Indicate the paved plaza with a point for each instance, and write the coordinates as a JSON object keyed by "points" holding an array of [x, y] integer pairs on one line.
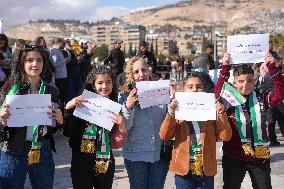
{"points": [[63, 159]]}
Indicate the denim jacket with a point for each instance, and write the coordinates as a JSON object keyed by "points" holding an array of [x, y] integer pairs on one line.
{"points": [[143, 142]]}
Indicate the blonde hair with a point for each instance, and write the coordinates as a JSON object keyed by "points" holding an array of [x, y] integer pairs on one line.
{"points": [[129, 72]]}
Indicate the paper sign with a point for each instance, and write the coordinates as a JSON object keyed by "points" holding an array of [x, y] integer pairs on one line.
{"points": [[151, 93], [214, 75], [97, 110], [195, 106], [248, 48], [29, 110]]}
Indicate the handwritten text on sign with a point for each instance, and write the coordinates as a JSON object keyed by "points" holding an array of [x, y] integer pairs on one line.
{"points": [[248, 48], [97, 110], [28, 110], [151, 93], [195, 106]]}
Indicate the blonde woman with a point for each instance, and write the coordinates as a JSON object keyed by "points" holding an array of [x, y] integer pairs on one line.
{"points": [[141, 150]]}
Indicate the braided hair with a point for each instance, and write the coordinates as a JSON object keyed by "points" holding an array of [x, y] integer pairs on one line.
{"points": [[92, 77]]}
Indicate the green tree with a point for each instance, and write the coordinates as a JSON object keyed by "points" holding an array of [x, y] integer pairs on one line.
{"points": [[101, 52], [130, 52]]}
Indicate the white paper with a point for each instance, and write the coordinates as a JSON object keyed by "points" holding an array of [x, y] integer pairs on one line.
{"points": [[214, 75], [248, 48], [195, 106], [97, 110], [28, 110], [151, 93]]}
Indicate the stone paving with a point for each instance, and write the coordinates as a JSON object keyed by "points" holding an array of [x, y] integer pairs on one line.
{"points": [[62, 178]]}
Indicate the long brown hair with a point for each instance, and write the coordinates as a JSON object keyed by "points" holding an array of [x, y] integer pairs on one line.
{"points": [[18, 73]]}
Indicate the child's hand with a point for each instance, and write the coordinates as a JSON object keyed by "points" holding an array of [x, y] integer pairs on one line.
{"points": [[172, 106], [226, 59], [119, 120], [131, 99], [56, 114], [77, 101], [4, 114], [220, 107], [269, 59]]}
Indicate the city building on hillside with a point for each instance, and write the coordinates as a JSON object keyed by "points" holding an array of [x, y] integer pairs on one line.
{"points": [[128, 33]]}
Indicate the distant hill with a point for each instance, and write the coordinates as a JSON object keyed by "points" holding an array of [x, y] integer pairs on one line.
{"points": [[231, 16]]}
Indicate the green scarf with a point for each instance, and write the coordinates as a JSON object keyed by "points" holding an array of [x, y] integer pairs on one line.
{"points": [[260, 144], [96, 140], [196, 159], [34, 154]]}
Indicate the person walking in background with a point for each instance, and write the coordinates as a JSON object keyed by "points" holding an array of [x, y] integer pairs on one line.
{"points": [[116, 58], [75, 83], [49, 77], [18, 46], [60, 68], [149, 57], [6, 52], [85, 58]]}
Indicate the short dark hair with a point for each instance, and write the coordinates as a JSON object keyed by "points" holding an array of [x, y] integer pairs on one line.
{"points": [[20, 42], [257, 65], [192, 75], [143, 43], [243, 69]]}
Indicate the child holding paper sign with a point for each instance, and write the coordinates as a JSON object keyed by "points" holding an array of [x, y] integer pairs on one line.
{"points": [[141, 150], [92, 159], [194, 154], [27, 150], [248, 150]]}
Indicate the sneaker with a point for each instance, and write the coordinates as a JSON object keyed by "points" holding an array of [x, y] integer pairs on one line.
{"points": [[274, 143]]}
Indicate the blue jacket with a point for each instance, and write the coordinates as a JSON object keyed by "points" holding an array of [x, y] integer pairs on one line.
{"points": [[143, 142], [58, 62]]}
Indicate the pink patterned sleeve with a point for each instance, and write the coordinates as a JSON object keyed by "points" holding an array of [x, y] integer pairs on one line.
{"points": [[117, 137]]}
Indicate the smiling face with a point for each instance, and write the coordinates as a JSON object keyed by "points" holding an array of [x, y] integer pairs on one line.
{"points": [[140, 71], [244, 83], [103, 85], [33, 64], [193, 84]]}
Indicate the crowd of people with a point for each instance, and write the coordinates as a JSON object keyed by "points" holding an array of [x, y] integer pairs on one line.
{"points": [[153, 141]]}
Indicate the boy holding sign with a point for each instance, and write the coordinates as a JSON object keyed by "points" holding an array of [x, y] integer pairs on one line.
{"points": [[248, 150], [194, 152]]}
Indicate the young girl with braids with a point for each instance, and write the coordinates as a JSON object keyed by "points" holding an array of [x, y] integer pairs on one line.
{"points": [[92, 162], [194, 154], [27, 150]]}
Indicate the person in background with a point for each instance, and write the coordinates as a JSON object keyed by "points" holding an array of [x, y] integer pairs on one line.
{"points": [[86, 58], [201, 65], [149, 57], [75, 83], [18, 46], [6, 51], [49, 77], [59, 64], [116, 58]]}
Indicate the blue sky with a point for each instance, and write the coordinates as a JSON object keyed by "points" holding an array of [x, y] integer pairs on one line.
{"points": [[21, 11]]}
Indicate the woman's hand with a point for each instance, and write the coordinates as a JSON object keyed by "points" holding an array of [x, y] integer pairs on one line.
{"points": [[119, 120], [226, 59], [75, 102], [269, 59], [172, 107], [220, 107], [56, 114], [131, 99], [4, 114]]}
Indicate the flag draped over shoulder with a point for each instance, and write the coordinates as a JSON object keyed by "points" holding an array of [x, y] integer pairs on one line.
{"points": [[232, 95]]}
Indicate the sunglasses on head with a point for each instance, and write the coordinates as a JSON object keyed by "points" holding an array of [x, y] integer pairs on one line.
{"points": [[32, 47]]}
